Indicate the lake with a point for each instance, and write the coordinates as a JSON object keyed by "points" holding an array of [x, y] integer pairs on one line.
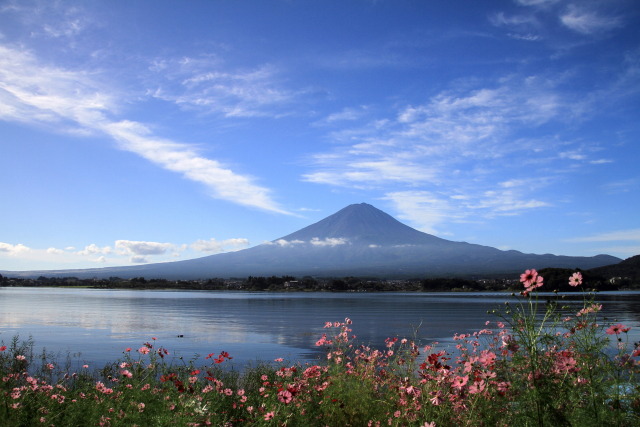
{"points": [[96, 325]]}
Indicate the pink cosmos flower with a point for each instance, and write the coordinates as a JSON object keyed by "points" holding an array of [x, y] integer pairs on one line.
{"points": [[565, 362], [269, 415], [436, 399], [20, 357], [477, 387], [593, 308], [459, 382], [531, 280], [575, 279], [143, 350], [617, 329]]}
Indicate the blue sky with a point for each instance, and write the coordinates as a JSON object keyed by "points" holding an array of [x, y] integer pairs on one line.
{"points": [[152, 131]]}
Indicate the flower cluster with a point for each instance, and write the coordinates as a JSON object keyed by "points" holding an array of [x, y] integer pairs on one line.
{"points": [[510, 372]]}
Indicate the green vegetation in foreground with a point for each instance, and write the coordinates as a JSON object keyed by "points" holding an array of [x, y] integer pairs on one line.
{"points": [[538, 365]]}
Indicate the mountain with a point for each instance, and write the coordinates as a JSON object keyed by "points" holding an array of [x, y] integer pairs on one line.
{"points": [[359, 240], [629, 268], [363, 224]]}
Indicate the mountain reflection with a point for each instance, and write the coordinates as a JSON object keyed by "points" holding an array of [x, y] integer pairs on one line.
{"points": [[99, 324]]}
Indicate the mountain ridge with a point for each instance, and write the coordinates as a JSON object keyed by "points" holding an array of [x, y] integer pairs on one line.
{"points": [[358, 240]]}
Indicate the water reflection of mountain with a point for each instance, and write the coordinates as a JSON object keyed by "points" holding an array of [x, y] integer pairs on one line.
{"points": [[259, 325]]}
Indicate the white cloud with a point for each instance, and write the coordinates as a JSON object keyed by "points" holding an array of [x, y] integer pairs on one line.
{"points": [[329, 241], [506, 202], [584, 21], [73, 100], [572, 155], [500, 19], [285, 243], [601, 161], [427, 210], [10, 249], [223, 183], [93, 249], [142, 248], [55, 251], [201, 83], [213, 245], [367, 173], [455, 143], [612, 236], [422, 208], [535, 2], [623, 186], [347, 114]]}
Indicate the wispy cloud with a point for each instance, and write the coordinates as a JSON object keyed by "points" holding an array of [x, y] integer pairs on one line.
{"points": [[622, 186], [429, 210], [626, 243], [424, 209], [39, 94], [433, 144], [536, 2], [204, 84], [612, 236], [476, 144], [47, 19], [585, 21]]}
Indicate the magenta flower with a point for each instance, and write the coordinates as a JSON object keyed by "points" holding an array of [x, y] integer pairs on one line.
{"points": [[617, 329], [575, 279], [531, 280], [459, 382], [285, 396]]}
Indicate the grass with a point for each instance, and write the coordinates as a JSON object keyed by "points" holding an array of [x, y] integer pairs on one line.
{"points": [[535, 365]]}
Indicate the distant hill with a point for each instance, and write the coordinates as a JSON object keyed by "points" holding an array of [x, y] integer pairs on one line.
{"points": [[359, 240], [629, 268]]}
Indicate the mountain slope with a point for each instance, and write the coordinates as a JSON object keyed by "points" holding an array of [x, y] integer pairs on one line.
{"points": [[629, 268], [363, 223], [359, 240]]}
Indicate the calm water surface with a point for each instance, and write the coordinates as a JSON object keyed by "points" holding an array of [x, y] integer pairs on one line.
{"points": [[96, 325]]}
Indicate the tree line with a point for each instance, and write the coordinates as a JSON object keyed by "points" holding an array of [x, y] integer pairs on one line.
{"points": [[554, 278]]}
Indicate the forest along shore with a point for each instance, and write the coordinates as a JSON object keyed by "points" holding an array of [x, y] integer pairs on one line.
{"points": [[555, 279]]}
